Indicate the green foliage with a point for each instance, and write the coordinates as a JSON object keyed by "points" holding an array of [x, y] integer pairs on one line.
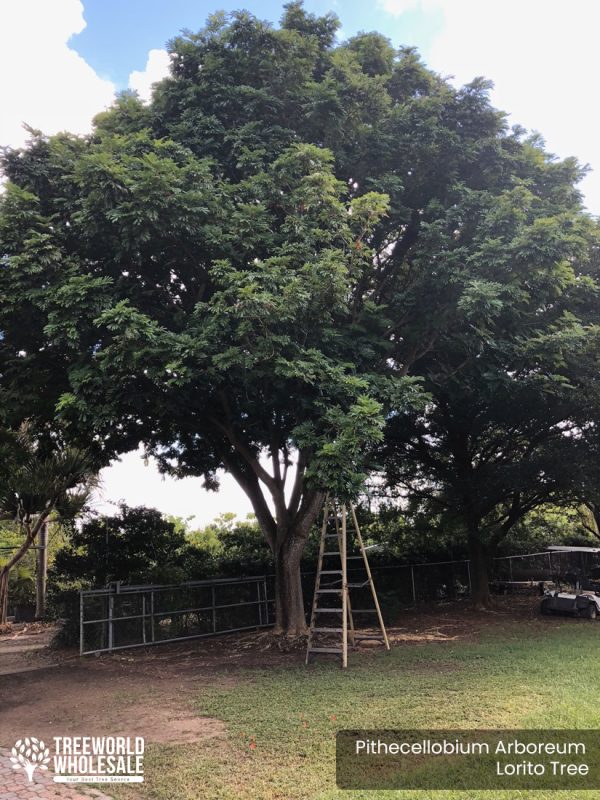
{"points": [[136, 545], [39, 480], [408, 538], [21, 586], [228, 547], [545, 526], [22, 578], [36, 481], [139, 545], [513, 385]]}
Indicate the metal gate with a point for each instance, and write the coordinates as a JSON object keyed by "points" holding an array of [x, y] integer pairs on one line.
{"points": [[119, 616]]}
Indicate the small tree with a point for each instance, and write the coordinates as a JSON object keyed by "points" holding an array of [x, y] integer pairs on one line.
{"points": [[33, 487], [136, 545]]}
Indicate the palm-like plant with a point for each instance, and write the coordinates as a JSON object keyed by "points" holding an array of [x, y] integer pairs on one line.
{"points": [[34, 485]]}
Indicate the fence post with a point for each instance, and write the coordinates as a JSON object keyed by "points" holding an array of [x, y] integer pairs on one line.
{"points": [[81, 622], [111, 602], [144, 618], [412, 577], [214, 608], [41, 572], [259, 603], [152, 614], [265, 601]]}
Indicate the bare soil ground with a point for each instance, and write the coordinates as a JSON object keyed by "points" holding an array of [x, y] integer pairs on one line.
{"points": [[150, 691]]}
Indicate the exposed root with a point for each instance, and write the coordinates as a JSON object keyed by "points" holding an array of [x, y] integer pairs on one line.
{"points": [[22, 628], [272, 640]]}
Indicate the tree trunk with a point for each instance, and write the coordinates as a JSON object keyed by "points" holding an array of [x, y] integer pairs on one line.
{"points": [[290, 617], [286, 530], [30, 535], [41, 572], [478, 569], [4, 575]]}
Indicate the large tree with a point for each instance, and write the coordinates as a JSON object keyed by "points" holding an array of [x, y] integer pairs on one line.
{"points": [[513, 385], [244, 273]]}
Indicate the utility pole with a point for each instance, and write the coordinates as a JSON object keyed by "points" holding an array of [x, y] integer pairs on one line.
{"points": [[41, 572]]}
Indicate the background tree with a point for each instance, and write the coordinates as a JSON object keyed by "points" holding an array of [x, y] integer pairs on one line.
{"points": [[135, 545], [33, 486], [236, 546], [243, 273], [513, 388], [22, 578]]}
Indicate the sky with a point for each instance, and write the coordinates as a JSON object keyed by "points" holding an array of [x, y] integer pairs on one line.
{"points": [[61, 62]]}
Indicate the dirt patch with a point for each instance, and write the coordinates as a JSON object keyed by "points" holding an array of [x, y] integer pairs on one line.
{"points": [[151, 692], [55, 692], [27, 646], [459, 621], [95, 699]]}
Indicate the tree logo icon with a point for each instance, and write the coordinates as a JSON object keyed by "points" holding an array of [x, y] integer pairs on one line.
{"points": [[30, 754]]}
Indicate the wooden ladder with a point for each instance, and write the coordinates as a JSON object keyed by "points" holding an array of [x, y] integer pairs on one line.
{"points": [[332, 582]]}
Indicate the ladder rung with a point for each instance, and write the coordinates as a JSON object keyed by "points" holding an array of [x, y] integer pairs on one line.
{"points": [[328, 610], [358, 585], [333, 553], [325, 650], [329, 591], [327, 630], [351, 558], [364, 610], [331, 536], [331, 572]]}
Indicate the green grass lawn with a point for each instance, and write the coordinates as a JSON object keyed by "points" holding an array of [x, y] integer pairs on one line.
{"points": [[281, 723]]}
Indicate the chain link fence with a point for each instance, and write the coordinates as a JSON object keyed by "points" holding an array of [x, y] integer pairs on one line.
{"points": [[119, 616]]}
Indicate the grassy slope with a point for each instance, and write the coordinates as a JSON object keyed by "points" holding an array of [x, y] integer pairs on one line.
{"points": [[527, 674]]}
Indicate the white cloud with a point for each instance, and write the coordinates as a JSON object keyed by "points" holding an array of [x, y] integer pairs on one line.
{"points": [[157, 68], [45, 83], [544, 59], [398, 7]]}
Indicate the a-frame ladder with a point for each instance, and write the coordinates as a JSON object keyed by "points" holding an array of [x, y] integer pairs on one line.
{"points": [[331, 600]]}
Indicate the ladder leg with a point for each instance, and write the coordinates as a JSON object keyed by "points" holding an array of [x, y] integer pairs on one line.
{"points": [[313, 615], [370, 577], [350, 622], [350, 618], [344, 593]]}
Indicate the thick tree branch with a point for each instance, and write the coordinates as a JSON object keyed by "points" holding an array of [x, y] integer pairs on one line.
{"points": [[30, 538], [298, 486], [245, 452], [251, 486]]}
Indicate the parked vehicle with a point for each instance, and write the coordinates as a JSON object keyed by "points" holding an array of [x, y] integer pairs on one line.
{"points": [[585, 604], [584, 600]]}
